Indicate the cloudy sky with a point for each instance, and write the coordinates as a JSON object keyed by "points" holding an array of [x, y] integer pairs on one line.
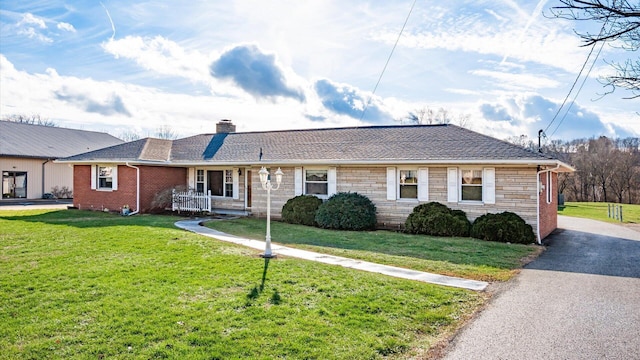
{"points": [[125, 65]]}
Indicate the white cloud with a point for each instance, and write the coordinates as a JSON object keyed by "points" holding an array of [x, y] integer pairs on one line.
{"points": [[31, 33], [146, 108], [513, 81], [30, 19], [66, 27], [162, 56]]}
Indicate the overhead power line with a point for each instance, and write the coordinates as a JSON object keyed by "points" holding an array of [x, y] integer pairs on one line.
{"points": [[574, 84], [366, 105]]}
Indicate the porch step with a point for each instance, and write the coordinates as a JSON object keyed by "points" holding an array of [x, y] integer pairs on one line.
{"points": [[230, 212]]}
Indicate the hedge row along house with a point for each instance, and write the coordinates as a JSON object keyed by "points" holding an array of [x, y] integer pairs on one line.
{"points": [[397, 167]]}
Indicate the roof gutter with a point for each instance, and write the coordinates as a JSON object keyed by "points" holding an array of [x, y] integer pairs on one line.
{"points": [[538, 239], [137, 188], [531, 162]]}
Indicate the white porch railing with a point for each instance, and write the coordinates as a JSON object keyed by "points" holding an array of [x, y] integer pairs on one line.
{"points": [[191, 201]]}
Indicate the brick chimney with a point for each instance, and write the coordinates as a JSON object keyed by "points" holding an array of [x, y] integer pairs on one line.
{"points": [[225, 126]]}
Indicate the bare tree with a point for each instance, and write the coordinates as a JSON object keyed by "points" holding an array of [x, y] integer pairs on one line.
{"points": [[129, 135], [463, 120], [166, 132], [620, 21], [427, 116], [34, 119], [607, 170], [522, 140]]}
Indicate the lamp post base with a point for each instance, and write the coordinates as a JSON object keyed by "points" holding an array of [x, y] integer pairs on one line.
{"points": [[265, 256]]}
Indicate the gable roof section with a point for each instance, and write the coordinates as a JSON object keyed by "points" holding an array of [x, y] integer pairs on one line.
{"points": [[373, 144], [47, 142], [145, 150]]}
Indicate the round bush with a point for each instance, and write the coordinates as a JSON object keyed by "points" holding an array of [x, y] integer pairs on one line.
{"points": [[438, 220], [301, 210], [503, 227], [347, 211]]}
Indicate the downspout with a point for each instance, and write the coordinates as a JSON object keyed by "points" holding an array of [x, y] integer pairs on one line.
{"points": [[46, 161], [137, 188], [538, 239]]}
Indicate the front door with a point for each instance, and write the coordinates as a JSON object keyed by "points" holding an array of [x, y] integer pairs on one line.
{"points": [[14, 184], [215, 179]]}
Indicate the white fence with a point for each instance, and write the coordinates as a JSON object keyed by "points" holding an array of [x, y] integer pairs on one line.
{"points": [[191, 201]]}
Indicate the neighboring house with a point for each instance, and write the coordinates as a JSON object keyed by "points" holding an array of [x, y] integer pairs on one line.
{"points": [[397, 167], [27, 151]]}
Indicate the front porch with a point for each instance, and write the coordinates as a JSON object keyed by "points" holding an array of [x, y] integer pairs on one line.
{"points": [[200, 202]]}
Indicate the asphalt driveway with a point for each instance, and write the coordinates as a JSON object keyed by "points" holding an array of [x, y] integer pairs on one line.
{"points": [[579, 300]]}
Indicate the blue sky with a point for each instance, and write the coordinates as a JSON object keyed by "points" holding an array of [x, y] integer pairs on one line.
{"points": [[120, 66]]}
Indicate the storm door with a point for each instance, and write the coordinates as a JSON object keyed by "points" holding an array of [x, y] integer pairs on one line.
{"points": [[215, 180]]}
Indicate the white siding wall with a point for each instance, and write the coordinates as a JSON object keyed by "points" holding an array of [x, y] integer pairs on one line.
{"points": [[55, 174]]}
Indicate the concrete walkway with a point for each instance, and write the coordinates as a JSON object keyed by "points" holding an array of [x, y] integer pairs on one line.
{"points": [[194, 226]]}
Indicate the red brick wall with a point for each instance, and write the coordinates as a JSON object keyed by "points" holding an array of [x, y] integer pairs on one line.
{"points": [[548, 212], [153, 179]]}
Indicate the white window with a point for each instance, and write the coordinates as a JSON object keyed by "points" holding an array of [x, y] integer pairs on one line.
{"points": [[228, 183], [471, 185], [104, 177], [408, 184], [200, 180], [316, 182]]}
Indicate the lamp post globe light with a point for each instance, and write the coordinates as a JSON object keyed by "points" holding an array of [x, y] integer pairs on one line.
{"points": [[265, 180]]}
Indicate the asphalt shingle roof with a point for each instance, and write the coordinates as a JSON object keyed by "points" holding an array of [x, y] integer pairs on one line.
{"points": [[355, 144], [37, 141]]}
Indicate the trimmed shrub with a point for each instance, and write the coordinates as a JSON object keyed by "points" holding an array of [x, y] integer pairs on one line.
{"points": [[437, 219], [347, 211], [301, 210], [163, 199], [503, 227]]}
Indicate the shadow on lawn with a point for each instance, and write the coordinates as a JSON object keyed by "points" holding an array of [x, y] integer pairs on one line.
{"points": [[255, 292], [90, 219]]}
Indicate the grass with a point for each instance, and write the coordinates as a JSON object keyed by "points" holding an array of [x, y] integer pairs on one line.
{"points": [[80, 285], [598, 211], [461, 257]]}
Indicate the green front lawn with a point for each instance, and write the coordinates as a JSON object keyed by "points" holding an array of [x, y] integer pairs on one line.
{"points": [[598, 211], [461, 257], [90, 285]]}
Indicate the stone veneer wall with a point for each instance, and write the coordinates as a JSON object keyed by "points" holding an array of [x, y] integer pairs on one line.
{"points": [[515, 191]]}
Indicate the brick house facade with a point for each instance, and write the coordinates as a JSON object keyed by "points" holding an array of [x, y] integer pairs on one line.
{"points": [[153, 180], [397, 167]]}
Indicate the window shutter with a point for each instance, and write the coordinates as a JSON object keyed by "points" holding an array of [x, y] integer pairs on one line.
{"points": [[391, 183], [452, 184], [298, 181], [191, 178], [332, 181], [236, 183], [94, 176], [489, 186], [114, 178], [423, 184]]}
